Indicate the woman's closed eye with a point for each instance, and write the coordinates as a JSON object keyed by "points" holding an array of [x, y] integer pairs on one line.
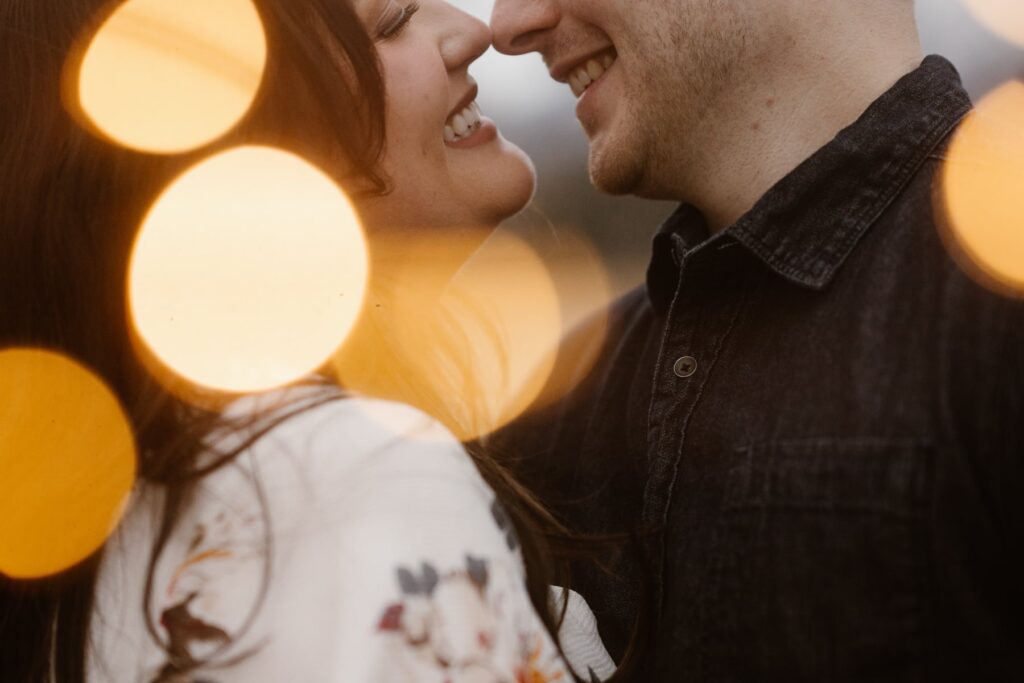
{"points": [[395, 20]]}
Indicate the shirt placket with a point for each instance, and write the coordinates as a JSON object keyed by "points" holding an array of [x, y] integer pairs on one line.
{"points": [[700, 318]]}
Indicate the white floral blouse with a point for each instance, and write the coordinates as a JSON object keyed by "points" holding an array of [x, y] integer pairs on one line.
{"points": [[354, 542]]}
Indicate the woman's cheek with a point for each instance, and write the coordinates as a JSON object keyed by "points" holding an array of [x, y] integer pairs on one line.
{"points": [[415, 73]]}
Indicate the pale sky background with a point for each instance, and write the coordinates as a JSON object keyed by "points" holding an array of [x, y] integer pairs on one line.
{"points": [[538, 114]]}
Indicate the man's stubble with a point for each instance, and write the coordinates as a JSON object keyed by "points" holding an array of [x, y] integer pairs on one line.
{"points": [[685, 60]]}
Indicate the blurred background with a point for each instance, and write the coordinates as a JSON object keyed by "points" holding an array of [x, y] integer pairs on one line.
{"points": [[538, 114], [230, 294]]}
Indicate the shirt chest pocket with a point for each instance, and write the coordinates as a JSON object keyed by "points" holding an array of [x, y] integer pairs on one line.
{"points": [[820, 560]]}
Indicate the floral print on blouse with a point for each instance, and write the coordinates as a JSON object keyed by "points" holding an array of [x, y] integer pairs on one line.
{"points": [[455, 623], [374, 551]]}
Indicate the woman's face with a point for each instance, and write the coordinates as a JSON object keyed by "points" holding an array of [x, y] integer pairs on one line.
{"points": [[448, 166]]}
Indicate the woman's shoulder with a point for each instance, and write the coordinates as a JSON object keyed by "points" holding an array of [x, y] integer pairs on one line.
{"points": [[358, 532], [335, 425], [333, 453]]}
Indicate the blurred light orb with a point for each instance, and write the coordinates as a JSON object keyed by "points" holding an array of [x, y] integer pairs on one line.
{"points": [[67, 463], [249, 271], [168, 77], [585, 297], [474, 350], [515, 339], [1005, 18], [983, 190]]}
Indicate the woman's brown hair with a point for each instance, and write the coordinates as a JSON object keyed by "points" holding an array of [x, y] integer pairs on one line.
{"points": [[70, 203]]}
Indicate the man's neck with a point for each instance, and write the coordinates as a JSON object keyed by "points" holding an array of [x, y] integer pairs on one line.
{"points": [[778, 121]]}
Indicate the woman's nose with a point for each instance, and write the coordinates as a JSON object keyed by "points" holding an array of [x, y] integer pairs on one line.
{"points": [[466, 39]]}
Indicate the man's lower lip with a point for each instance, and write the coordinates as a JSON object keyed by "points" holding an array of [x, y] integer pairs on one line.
{"points": [[481, 136]]}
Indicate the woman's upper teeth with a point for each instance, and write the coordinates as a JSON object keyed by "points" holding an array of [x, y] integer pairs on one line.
{"points": [[585, 74], [463, 124]]}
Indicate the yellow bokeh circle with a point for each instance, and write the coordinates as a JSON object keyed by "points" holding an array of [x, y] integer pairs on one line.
{"points": [[474, 350], [983, 191], [168, 77], [67, 463], [512, 320], [248, 272]]}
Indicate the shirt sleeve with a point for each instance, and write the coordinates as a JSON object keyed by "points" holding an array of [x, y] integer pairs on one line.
{"points": [[389, 559]]}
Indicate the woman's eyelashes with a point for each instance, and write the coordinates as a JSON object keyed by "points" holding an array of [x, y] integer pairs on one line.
{"points": [[392, 24]]}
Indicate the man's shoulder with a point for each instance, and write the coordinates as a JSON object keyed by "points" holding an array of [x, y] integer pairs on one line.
{"points": [[588, 355], [594, 345], [633, 300], [919, 263], [610, 324]]}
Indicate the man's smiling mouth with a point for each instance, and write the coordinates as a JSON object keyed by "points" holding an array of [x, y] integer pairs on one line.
{"points": [[587, 73]]}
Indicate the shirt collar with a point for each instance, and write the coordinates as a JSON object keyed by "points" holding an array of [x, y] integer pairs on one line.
{"points": [[684, 230], [806, 226]]}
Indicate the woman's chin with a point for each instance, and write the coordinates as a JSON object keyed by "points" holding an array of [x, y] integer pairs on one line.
{"points": [[528, 178], [471, 192], [505, 185]]}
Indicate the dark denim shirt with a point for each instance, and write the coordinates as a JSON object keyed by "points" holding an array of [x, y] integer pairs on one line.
{"points": [[822, 419]]}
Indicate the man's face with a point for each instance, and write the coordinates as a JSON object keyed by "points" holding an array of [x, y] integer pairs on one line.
{"points": [[674, 66]]}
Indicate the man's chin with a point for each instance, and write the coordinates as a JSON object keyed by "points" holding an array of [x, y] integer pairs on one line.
{"points": [[613, 171]]}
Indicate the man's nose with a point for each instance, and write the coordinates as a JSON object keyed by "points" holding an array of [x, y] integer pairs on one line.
{"points": [[520, 26]]}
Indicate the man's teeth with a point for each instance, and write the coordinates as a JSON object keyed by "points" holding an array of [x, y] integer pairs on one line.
{"points": [[586, 74], [463, 124]]}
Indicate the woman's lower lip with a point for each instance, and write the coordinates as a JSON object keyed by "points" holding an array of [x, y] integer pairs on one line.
{"points": [[481, 136]]}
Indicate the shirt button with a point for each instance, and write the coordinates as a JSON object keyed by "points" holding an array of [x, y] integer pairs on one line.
{"points": [[685, 367]]}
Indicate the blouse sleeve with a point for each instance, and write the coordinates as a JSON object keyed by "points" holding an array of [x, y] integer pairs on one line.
{"points": [[387, 559]]}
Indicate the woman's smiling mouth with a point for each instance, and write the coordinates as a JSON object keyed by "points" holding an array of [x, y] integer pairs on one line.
{"points": [[463, 124]]}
